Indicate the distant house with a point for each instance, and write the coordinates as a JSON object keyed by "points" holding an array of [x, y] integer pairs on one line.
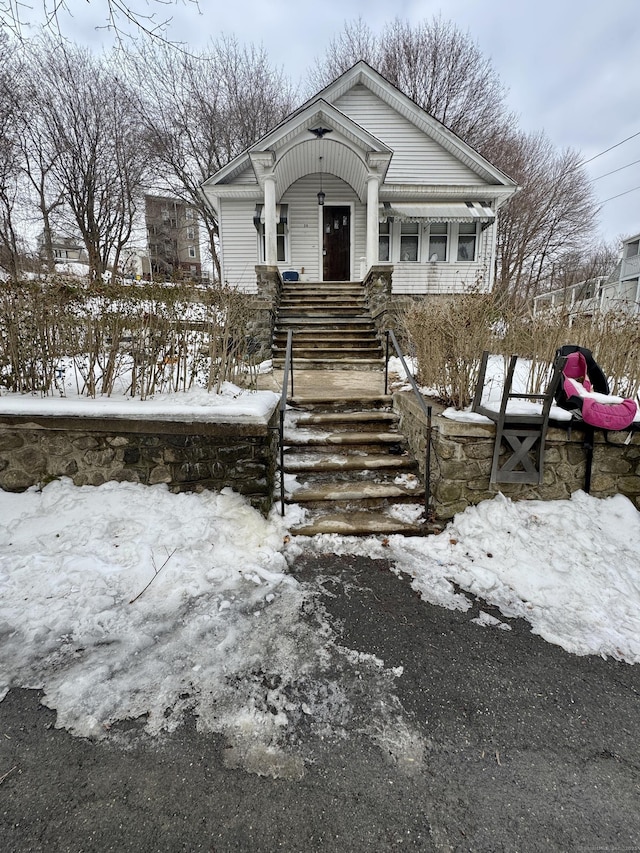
{"points": [[173, 239], [65, 249], [582, 298], [622, 290], [619, 291], [360, 177]]}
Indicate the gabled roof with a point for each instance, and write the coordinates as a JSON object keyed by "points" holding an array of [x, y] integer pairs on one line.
{"points": [[320, 108], [288, 133]]}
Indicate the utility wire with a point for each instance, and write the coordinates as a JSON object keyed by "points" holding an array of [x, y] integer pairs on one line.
{"points": [[606, 151], [626, 192], [606, 174]]}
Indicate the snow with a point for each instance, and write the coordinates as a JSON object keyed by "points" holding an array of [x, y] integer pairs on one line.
{"points": [[231, 405], [124, 601]]}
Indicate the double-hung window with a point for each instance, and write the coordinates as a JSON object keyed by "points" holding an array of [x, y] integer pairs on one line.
{"points": [[438, 241], [467, 238], [409, 241], [281, 241], [384, 241]]}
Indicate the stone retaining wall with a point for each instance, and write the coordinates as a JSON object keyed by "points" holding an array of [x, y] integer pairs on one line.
{"points": [[462, 453], [185, 456]]}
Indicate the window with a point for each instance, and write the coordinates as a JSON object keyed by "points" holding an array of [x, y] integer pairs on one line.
{"points": [[438, 240], [192, 251], [188, 213], [191, 233], [384, 241], [281, 241], [409, 241], [632, 249], [467, 241]]}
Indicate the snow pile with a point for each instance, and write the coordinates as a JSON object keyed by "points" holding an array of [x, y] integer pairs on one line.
{"points": [[73, 561], [125, 601], [570, 568]]}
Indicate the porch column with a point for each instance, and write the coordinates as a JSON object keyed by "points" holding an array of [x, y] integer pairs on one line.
{"points": [[270, 235], [372, 221]]}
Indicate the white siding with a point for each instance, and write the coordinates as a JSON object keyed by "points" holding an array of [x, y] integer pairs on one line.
{"points": [[417, 159], [451, 276], [247, 176], [239, 241], [239, 238]]}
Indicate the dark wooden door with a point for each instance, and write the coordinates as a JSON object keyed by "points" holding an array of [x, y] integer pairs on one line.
{"points": [[336, 244]]}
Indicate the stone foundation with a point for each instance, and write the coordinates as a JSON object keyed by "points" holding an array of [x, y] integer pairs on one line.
{"points": [[462, 452], [185, 456], [264, 310]]}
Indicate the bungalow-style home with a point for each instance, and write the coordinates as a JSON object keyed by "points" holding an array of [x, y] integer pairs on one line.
{"points": [[360, 177]]}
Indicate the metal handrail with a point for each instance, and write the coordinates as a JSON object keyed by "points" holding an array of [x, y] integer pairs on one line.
{"points": [[390, 336], [288, 370]]}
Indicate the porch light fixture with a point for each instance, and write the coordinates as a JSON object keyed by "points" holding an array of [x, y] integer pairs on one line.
{"points": [[321, 195]]}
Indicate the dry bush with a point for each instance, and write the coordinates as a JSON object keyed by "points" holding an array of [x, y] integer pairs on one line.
{"points": [[139, 339], [449, 336]]}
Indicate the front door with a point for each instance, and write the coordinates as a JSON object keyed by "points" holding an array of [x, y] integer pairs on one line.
{"points": [[336, 244]]}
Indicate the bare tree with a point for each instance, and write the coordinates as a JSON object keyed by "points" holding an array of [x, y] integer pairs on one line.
{"points": [[200, 111], [553, 215], [117, 15], [10, 248], [437, 65], [96, 161]]}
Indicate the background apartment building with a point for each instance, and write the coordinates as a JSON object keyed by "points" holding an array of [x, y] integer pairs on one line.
{"points": [[173, 239]]}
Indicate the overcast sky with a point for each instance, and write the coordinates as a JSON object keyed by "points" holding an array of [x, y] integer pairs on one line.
{"points": [[572, 67]]}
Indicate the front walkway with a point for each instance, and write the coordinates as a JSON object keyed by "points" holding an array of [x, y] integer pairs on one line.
{"points": [[329, 384]]}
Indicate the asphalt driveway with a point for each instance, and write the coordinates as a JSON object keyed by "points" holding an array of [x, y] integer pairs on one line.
{"points": [[484, 740]]}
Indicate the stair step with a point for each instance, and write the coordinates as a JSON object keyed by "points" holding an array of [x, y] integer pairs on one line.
{"points": [[296, 438], [302, 401], [333, 418], [333, 364], [358, 523], [300, 462], [352, 491]]}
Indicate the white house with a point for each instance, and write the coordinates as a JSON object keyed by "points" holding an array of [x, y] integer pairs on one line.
{"points": [[360, 176], [620, 291]]}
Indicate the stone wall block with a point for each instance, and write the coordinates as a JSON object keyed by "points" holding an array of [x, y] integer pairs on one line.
{"points": [[613, 464], [11, 441], [86, 442], [15, 480], [33, 461], [482, 450], [118, 441], [126, 475], [602, 484], [100, 458], [160, 474]]}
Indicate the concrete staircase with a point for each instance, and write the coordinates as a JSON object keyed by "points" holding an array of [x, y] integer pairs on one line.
{"points": [[332, 327], [349, 467]]}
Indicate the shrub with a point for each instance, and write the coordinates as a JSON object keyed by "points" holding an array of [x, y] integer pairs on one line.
{"points": [[140, 339], [450, 334]]}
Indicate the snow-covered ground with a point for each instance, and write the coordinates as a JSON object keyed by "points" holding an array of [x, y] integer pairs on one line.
{"points": [[125, 601]]}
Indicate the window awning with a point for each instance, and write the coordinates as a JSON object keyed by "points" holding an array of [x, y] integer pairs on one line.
{"points": [[452, 211], [282, 211]]}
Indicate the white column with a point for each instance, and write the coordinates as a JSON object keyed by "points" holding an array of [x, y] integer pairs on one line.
{"points": [[270, 235], [372, 221]]}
